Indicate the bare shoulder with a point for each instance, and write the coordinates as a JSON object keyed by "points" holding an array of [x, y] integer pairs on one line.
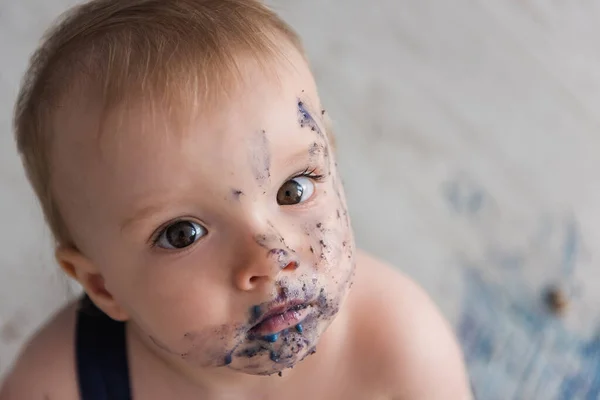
{"points": [[406, 348], [45, 368]]}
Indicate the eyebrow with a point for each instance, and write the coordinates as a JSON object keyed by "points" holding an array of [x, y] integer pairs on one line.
{"points": [[142, 214], [313, 151]]}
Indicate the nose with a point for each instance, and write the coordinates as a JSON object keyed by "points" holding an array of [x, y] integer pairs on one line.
{"points": [[270, 258]]}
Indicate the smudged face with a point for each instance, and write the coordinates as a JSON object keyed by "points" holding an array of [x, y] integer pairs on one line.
{"points": [[228, 244]]}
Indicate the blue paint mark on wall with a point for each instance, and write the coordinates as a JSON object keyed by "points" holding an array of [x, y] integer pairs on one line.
{"points": [[571, 247], [516, 349], [509, 260], [584, 383], [464, 197], [475, 201], [452, 195]]}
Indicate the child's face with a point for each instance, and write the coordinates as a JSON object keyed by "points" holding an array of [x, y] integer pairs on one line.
{"points": [[197, 234]]}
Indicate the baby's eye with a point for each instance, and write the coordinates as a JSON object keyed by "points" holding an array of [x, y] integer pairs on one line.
{"points": [[295, 191], [180, 234]]}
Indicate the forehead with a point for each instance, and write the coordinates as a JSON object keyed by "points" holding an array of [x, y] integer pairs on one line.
{"points": [[128, 143], [262, 100], [82, 116]]}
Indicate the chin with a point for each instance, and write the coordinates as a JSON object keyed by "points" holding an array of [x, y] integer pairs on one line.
{"points": [[265, 366]]}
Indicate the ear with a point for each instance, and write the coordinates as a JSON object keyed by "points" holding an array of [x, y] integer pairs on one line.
{"points": [[80, 268]]}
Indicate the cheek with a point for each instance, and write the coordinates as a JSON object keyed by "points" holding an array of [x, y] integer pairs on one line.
{"points": [[173, 298], [330, 234]]}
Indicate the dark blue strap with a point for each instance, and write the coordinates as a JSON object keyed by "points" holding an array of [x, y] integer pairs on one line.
{"points": [[101, 351]]}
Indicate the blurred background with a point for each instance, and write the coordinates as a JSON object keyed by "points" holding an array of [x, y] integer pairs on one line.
{"points": [[469, 138]]}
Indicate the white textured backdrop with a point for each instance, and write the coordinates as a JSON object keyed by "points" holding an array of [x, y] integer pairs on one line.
{"points": [[470, 144]]}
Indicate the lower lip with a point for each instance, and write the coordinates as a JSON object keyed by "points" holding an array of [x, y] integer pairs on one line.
{"points": [[279, 322]]}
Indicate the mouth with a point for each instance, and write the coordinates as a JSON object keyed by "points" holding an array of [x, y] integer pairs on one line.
{"points": [[280, 318]]}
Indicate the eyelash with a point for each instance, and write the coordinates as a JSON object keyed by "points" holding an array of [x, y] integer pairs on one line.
{"points": [[310, 173]]}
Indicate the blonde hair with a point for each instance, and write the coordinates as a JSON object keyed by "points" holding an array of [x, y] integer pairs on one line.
{"points": [[124, 50]]}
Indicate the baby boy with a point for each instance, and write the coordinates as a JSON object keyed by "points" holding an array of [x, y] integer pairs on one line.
{"points": [[187, 170]]}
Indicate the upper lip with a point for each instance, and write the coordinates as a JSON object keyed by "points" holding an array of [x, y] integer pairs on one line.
{"points": [[279, 309]]}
